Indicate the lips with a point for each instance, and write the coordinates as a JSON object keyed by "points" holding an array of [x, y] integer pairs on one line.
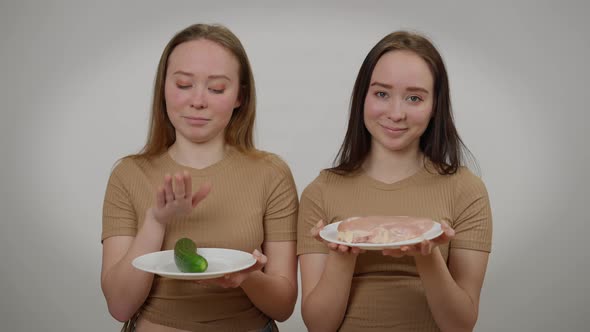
{"points": [[196, 121], [394, 131]]}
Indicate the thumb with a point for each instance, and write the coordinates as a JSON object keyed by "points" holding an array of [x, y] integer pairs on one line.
{"points": [[260, 260]]}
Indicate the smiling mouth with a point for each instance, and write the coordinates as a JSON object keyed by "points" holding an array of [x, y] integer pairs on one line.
{"points": [[395, 130]]}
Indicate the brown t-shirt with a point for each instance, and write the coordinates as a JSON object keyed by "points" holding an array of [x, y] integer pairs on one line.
{"points": [[386, 292], [252, 200]]}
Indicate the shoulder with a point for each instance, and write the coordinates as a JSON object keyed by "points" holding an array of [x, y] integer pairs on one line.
{"points": [[466, 182], [266, 162], [124, 167], [129, 169], [324, 181], [275, 163]]}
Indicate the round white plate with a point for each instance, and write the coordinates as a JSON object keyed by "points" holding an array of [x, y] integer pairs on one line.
{"points": [[221, 261], [330, 234]]}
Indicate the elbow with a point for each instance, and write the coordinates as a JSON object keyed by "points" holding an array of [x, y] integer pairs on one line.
{"points": [[467, 325], [283, 315], [315, 323], [120, 311], [120, 314]]}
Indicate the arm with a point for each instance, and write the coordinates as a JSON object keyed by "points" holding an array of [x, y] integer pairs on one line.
{"points": [[325, 287], [453, 293], [274, 291], [126, 288]]}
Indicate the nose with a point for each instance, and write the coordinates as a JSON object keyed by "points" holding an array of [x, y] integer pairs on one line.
{"points": [[199, 99], [396, 111]]}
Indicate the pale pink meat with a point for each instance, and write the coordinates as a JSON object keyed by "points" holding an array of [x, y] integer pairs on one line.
{"points": [[382, 229]]}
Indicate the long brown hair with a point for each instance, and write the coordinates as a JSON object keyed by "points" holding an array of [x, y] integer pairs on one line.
{"points": [[239, 131], [440, 142]]}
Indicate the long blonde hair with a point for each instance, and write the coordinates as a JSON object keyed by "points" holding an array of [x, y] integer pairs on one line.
{"points": [[239, 131]]}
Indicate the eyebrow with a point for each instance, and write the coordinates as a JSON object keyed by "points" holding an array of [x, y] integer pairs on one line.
{"points": [[411, 88], [387, 86], [180, 72]]}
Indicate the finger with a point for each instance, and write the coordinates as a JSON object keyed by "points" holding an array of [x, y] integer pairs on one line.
{"points": [[260, 258], [160, 198], [315, 230], [355, 250], [424, 247], [168, 189], [342, 248], [201, 193], [188, 184], [178, 187], [447, 230], [333, 246]]}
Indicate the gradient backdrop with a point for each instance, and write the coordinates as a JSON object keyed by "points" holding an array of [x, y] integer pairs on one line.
{"points": [[75, 86]]}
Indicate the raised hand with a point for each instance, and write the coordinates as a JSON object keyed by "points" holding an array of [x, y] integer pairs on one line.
{"points": [[175, 197]]}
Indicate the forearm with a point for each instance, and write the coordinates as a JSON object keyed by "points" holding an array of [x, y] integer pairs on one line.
{"points": [[451, 306], [324, 308], [274, 295], [125, 287]]}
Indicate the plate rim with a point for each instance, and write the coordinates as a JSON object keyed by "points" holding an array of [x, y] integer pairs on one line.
{"points": [[379, 246], [191, 275]]}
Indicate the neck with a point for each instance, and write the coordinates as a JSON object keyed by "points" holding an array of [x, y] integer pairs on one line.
{"points": [[197, 155], [392, 166]]}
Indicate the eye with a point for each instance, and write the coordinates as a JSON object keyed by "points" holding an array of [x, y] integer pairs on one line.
{"points": [[414, 99], [217, 91], [183, 86], [381, 94]]}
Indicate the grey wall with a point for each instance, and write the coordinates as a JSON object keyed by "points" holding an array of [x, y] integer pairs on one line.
{"points": [[75, 87]]}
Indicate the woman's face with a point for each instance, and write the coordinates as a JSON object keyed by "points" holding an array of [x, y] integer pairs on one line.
{"points": [[399, 101], [201, 90]]}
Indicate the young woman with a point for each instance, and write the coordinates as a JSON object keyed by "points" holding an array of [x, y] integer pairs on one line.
{"points": [[401, 156], [199, 176]]}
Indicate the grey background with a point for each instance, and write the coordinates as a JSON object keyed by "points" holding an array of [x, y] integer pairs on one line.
{"points": [[76, 82]]}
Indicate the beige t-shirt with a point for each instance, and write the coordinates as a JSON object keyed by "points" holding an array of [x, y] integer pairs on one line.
{"points": [[386, 292], [252, 200]]}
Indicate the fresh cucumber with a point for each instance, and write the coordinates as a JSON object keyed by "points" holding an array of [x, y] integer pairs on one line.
{"points": [[186, 257]]}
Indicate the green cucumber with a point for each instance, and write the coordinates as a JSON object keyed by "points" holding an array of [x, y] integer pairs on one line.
{"points": [[186, 257]]}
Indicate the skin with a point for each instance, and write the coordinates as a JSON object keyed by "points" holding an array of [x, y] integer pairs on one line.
{"points": [[398, 108], [201, 92]]}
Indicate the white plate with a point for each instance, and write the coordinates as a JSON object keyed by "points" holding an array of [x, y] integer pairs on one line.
{"points": [[221, 261], [330, 234]]}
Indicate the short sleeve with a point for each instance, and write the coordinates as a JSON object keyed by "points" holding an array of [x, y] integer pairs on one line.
{"points": [[118, 213], [280, 216], [310, 212], [472, 214]]}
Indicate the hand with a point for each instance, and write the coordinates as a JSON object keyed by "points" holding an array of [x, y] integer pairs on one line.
{"points": [[425, 247], [177, 200], [234, 280], [315, 232]]}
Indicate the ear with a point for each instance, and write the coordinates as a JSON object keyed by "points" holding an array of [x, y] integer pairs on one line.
{"points": [[238, 102]]}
